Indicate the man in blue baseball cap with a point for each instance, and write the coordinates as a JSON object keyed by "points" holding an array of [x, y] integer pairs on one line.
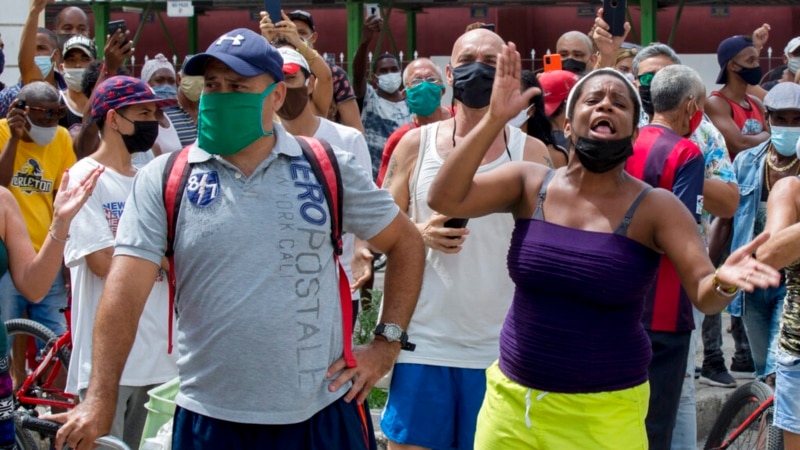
{"points": [[261, 331], [736, 113]]}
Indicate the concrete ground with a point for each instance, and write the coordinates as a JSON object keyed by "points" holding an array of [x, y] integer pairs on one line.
{"points": [[709, 399]]}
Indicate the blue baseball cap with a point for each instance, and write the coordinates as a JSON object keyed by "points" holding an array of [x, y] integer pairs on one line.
{"points": [[244, 51], [727, 50]]}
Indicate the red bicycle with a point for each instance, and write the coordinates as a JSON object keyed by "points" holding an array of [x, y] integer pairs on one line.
{"points": [[745, 421], [46, 363]]}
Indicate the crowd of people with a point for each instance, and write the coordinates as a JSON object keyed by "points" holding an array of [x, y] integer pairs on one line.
{"points": [[557, 242]]}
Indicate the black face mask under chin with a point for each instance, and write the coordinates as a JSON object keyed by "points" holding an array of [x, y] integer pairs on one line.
{"points": [[145, 133], [600, 156]]}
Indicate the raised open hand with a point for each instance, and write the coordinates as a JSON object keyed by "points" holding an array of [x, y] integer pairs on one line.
{"points": [[507, 99], [69, 201]]}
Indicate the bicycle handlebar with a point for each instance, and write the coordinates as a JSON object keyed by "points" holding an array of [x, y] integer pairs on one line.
{"points": [[50, 428]]}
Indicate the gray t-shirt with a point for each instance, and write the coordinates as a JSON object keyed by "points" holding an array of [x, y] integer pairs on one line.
{"points": [[259, 316]]}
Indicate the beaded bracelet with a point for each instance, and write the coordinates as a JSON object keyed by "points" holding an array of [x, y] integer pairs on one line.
{"points": [[729, 292]]}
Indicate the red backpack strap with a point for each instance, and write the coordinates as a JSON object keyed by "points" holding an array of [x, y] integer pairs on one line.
{"points": [[323, 162], [176, 172]]}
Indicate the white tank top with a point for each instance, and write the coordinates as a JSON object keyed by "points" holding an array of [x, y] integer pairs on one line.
{"points": [[465, 297]]}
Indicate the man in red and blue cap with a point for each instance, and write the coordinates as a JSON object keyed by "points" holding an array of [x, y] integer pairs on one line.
{"points": [[261, 332], [124, 109]]}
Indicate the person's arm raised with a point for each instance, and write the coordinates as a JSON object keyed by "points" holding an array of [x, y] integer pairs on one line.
{"points": [[372, 25], [456, 191], [33, 273], [28, 69], [607, 45]]}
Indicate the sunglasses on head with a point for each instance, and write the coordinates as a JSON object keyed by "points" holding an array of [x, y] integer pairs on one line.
{"points": [[58, 113]]}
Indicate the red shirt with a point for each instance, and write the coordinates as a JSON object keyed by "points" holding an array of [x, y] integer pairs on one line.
{"points": [[666, 160]]}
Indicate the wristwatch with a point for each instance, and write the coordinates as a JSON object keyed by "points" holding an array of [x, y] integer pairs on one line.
{"points": [[393, 333]]}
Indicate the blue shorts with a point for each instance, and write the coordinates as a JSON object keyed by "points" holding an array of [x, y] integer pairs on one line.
{"points": [[434, 406], [340, 425], [787, 392], [47, 312]]}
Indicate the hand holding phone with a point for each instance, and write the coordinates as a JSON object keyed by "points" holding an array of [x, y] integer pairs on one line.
{"points": [[552, 62], [614, 16], [120, 25], [456, 222], [273, 9], [372, 9]]}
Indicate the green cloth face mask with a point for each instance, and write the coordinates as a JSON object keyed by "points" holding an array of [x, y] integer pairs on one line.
{"points": [[227, 122]]}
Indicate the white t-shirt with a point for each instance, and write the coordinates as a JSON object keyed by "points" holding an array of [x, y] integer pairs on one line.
{"points": [[93, 229], [352, 141]]}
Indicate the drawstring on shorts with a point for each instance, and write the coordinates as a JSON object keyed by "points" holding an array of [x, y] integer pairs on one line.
{"points": [[539, 398]]}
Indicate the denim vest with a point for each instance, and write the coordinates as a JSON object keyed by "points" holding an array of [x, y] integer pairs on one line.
{"points": [[749, 169]]}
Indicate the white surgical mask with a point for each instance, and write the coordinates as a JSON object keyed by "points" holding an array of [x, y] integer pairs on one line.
{"points": [[785, 139], [390, 82], [45, 64], [521, 118], [794, 64], [41, 136], [74, 78]]}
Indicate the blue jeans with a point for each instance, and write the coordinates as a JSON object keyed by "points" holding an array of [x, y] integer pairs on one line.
{"points": [[46, 312], [761, 314], [684, 435]]}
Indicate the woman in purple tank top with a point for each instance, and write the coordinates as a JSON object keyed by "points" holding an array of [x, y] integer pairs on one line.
{"points": [[572, 372]]}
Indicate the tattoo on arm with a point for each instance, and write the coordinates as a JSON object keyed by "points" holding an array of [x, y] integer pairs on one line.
{"points": [[387, 180]]}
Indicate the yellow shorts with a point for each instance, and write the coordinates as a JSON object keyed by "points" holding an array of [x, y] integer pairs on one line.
{"points": [[515, 417]]}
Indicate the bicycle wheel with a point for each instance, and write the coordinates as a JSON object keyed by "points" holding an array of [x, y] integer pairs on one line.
{"points": [[44, 339], [737, 411], [23, 437]]}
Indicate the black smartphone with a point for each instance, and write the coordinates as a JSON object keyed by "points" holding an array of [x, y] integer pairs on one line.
{"points": [[614, 15], [273, 9], [20, 104], [456, 223], [115, 25]]}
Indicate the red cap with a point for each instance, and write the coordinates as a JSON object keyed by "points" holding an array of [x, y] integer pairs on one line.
{"points": [[556, 86]]}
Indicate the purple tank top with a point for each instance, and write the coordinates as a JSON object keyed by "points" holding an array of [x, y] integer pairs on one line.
{"points": [[575, 322]]}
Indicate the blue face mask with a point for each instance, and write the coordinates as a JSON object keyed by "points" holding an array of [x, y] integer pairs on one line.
{"points": [[784, 139], [166, 91], [45, 64]]}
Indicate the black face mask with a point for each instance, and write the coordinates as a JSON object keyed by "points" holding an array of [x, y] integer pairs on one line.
{"points": [[647, 100], [294, 104], [143, 137], [574, 66], [600, 156], [751, 76], [472, 84]]}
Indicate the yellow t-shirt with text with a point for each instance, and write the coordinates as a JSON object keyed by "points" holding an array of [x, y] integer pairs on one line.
{"points": [[36, 177]]}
